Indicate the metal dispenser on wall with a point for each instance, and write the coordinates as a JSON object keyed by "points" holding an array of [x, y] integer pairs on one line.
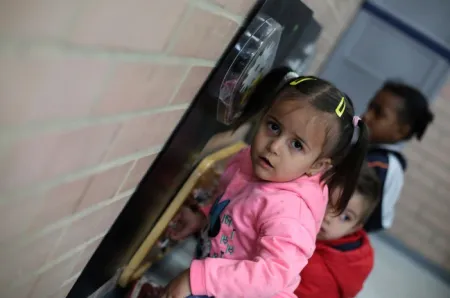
{"points": [[274, 34], [250, 59]]}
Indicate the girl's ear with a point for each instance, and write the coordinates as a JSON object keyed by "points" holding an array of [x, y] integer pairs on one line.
{"points": [[319, 166]]}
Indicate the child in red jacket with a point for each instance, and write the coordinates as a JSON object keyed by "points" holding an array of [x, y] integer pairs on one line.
{"points": [[343, 257]]}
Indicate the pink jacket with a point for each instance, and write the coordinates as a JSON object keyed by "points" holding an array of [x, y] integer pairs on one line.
{"points": [[267, 234]]}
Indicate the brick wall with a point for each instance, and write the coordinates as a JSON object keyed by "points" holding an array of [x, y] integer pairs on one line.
{"points": [[423, 212], [90, 90]]}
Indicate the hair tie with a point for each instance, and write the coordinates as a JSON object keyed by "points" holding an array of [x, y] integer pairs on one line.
{"points": [[341, 107], [298, 81], [356, 120]]}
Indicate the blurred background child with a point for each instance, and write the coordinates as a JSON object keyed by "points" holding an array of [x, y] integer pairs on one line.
{"points": [[396, 114]]}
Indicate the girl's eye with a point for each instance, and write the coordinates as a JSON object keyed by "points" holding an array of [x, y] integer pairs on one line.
{"points": [[345, 217], [297, 145], [376, 109], [275, 128]]}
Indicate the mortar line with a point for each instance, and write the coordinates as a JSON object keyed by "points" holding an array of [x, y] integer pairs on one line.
{"points": [[64, 223], [177, 88], [335, 13], [39, 188], [51, 264], [124, 180], [176, 33], [218, 10], [79, 11], [54, 49], [7, 135]]}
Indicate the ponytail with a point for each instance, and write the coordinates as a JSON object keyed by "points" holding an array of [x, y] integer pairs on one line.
{"points": [[345, 174]]}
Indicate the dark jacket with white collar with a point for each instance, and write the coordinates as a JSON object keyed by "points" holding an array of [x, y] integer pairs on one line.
{"points": [[389, 164]]}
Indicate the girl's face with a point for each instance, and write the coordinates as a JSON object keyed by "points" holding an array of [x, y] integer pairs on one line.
{"points": [[290, 141], [382, 119]]}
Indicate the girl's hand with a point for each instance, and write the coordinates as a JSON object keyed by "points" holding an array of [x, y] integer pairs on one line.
{"points": [[179, 287], [186, 222]]}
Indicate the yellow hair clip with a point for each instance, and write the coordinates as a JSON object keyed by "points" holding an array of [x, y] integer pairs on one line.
{"points": [[298, 81], [341, 107]]}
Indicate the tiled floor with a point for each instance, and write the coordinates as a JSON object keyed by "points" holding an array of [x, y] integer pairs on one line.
{"points": [[397, 276]]}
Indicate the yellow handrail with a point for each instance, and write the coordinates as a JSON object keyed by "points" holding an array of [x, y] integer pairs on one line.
{"points": [[135, 269]]}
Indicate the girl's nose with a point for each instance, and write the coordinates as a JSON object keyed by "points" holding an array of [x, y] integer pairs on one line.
{"points": [[327, 218], [275, 146]]}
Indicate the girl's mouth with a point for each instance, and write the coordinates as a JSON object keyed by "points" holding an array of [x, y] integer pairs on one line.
{"points": [[265, 162]]}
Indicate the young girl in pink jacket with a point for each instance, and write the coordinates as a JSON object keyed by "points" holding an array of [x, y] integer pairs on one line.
{"points": [[262, 230]]}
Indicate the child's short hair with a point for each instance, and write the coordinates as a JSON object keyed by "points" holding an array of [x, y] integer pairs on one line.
{"points": [[369, 187], [415, 111]]}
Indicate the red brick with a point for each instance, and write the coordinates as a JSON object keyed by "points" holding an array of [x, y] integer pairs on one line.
{"points": [[194, 81], [140, 86], [56, 88], [85, 255], [90, 226], [16, 215], [50, 281], [59, 203], [144, 132], [131, 25], [140, 168], [20, 261], [205, 35], [36, 19], [240, 7], [104, 185], [47, 156]]}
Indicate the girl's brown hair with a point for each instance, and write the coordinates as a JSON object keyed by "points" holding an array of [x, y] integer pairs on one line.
{"points": [[346, 157]]}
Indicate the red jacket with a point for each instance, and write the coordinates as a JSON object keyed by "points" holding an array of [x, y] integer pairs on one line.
{"points": [[338, 268]]}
